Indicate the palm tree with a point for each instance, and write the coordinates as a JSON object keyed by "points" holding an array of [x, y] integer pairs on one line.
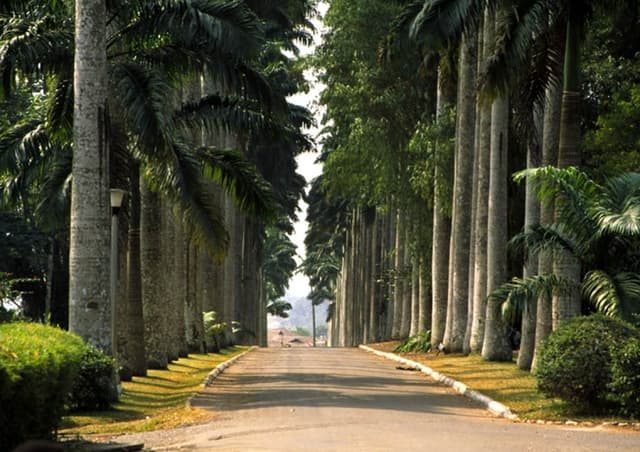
{"points": [[599, 227], [151, 126], [89, 306]]}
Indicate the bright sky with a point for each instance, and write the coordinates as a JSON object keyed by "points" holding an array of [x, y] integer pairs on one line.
{"points": [[299, 284]]}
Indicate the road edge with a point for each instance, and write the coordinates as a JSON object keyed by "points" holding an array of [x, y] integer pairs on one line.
{"points": [[220, 368], [495, 408]]}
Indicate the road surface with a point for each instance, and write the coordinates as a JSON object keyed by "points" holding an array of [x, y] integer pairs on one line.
{"points": [[294, 399]]}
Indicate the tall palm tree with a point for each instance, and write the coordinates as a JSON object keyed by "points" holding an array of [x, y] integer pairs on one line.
{"points": [[89, 305]]}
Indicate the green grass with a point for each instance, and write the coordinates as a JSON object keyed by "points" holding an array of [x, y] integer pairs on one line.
{"points": [[503, 382], [157, 401]]}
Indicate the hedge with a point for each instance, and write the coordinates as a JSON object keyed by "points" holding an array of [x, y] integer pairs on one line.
{"points": [[39, 366]]}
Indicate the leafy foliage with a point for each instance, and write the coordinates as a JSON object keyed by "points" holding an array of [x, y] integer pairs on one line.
{"points": [[600, 225], [419, 343], [93, 388], [575, 363], [39, 366], [625, 377]]}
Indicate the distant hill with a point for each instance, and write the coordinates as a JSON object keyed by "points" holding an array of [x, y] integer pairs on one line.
{"points": [[300, 315]]}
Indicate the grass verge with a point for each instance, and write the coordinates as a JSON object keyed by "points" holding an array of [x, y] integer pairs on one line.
{"points": [[157, 401], [503, 382]]}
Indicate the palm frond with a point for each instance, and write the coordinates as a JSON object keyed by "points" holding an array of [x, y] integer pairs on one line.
{"points": [[219, 27], [215, 114], [241, 179], [572, 190], [514, 294], [617, 210], [147, 102], [34, 46], [54, 201], [444, 20], [539, 238], [613, 295], [180, 179], [522, 33], [60, 107]]}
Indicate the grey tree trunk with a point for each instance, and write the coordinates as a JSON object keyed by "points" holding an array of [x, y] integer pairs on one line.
{"points": [[441, 233], [482, 205], [175, 257], [424, 314], [415, 298], [89, 305], [459, 258], [397, 291], [152, 295], [531, 218], [550, 140], [135, 325], [496, 345], [405, 286]]}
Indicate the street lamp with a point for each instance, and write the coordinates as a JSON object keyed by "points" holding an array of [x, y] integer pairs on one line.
{"points": [[117, 195]]}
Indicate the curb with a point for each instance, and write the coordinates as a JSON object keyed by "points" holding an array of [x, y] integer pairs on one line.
{"points": [[210, 378], [494, 407]]}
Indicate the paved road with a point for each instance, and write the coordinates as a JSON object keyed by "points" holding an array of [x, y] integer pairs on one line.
{"points": [[291, 399]]}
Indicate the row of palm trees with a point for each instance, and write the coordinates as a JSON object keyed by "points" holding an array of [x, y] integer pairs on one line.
{"points": [[182, 103], [409, 264]]}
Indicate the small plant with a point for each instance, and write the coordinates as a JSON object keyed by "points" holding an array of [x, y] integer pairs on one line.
{"points": [[94, 388], [419, 343], [575, 362], [213, 330]]}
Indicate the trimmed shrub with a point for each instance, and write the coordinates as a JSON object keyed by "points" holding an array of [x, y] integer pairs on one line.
{"points": [[575, 361], [41, 369], [625, 377], [38, 365], [94, 387]]}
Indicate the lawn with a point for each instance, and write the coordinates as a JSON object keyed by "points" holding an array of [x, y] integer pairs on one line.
{"points": [[503, 382], [157, 401]]}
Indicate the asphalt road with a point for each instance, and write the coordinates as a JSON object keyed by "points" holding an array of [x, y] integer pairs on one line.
{"points": [[293, 399]]}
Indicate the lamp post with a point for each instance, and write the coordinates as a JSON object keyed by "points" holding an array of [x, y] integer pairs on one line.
{"points": [[117, 196]]}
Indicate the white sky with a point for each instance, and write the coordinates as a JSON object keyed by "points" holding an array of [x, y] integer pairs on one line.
{"points": [[299, 284]]}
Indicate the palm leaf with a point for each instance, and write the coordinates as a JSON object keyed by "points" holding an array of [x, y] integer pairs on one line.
{"points": [[514, 294], [572, 190], [617, 210], [180, 179], [222, 27], [540, 238], [445, 20], [617, 295], [239, 178], [34, 46]]}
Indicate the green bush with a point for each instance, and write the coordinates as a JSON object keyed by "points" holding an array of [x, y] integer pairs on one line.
{"points": [[38, 365], [575, 362], [39, 368], [625, 377], [419, 343], [94, 387]]}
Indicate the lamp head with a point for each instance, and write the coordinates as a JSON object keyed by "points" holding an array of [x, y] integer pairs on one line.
{"points": [[117, 195]]}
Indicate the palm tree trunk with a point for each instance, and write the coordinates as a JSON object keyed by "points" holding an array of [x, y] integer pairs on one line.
{"points": [[397, 291], [479, 294], [135, 323], [550, 139], [150, 256], [567, 305], [496, 345], [441, 231], [405, 279], [459, 258], [531, 218], [89, 304]]}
